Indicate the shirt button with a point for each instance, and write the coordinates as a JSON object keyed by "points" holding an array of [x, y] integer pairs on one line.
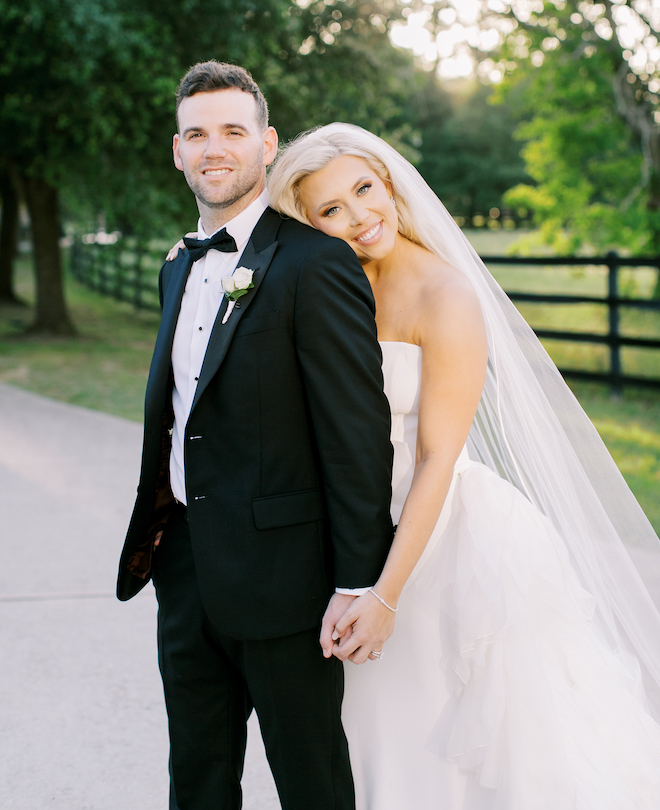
{"points": [[196, 378], [200, 328], [206, 281]]}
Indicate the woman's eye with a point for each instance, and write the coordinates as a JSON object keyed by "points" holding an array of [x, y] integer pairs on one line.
{"points": [[363, 189], [331, 211]]}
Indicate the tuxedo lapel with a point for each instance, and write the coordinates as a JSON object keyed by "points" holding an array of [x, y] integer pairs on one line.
{"points": [[160, 365], [257, 257]]}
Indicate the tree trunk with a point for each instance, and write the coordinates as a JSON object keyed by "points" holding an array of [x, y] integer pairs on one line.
{"points": [[8, 240], [52, 316]]}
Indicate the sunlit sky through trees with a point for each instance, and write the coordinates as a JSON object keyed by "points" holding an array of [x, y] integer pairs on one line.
{"points": [[448, 33]]}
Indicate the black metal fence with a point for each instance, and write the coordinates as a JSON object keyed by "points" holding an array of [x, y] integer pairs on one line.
{"points": [[128, 272], [120, 268], [613, 338]]}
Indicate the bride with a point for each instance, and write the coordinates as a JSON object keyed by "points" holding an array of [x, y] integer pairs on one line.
{"points": [[523, 669]]}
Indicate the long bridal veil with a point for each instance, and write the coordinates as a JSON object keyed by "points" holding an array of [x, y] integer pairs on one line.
{"points": [[529, 427]]}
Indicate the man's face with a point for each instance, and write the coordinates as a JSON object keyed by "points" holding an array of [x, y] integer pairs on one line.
{"points": [[221, 148]]}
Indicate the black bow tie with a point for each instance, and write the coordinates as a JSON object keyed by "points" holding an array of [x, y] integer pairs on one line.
{"points": [[219, 241]]}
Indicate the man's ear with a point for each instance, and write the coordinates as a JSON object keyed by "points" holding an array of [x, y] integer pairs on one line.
{"points": [[175, 152], [270, 145]]}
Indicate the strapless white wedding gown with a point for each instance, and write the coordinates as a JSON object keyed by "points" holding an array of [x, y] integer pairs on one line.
{"points": [[494, 693]]}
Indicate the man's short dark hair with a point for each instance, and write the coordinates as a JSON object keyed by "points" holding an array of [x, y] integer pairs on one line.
{"points": [[205, 77]]}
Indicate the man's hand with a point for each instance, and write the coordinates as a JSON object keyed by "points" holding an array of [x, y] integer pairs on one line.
{"points": [[364, 627], [337, 607]]}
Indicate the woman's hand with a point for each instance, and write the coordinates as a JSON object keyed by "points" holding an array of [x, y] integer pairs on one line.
{"points": [[363, 629], [174, 251]]}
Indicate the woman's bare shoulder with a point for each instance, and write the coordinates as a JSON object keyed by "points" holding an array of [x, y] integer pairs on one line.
{"points": [[447, 300]]}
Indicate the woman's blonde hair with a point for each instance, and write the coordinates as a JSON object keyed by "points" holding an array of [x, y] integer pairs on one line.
{"points": [[314, 150]]}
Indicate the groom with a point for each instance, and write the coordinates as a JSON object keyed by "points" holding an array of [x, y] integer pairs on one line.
{"points": [[265, 481]]}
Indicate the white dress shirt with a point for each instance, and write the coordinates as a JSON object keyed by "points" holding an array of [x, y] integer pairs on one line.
{"points": [[199, 309]]}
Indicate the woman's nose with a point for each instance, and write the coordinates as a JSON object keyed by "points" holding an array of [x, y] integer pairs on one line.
{"points": [[358, 214]]}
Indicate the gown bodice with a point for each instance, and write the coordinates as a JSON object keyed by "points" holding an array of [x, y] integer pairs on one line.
{"points": [[402, 375], [402, 368]]}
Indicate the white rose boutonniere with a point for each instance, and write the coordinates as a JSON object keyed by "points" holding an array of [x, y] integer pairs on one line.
{"points": [[236, 286]]}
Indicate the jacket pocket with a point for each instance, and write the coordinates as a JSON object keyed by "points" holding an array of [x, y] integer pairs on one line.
{"points": [[287, 510]]}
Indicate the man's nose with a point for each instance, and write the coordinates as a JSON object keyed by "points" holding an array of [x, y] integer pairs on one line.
{"points": [[215, 146]]}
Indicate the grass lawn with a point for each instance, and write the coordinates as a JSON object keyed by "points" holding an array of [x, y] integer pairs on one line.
{"points": [[105, 368], [630, 427]]}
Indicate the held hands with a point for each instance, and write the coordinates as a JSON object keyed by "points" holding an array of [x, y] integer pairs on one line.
{"points": [[337, 607], [364, 626]]}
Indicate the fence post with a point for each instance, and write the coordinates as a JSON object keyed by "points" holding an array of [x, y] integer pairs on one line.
{"points": [[75, 260], [115, 252], [613, 308], [137, 292]]}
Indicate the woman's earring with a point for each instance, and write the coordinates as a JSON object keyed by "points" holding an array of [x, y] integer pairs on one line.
{"points": [[393, 201]]}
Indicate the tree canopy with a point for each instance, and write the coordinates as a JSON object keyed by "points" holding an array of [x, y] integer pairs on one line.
{"points": [[88, 90], [467, 153], [584, 79]]}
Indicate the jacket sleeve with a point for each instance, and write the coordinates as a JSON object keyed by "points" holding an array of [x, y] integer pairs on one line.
{"points": [[340, 358]]}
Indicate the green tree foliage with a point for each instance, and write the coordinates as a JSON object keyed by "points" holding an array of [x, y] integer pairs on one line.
{"points": [[326, 61], [584, 76], [467, 151], [88, 90], [593, 184], [71, 100], [583, 158]]}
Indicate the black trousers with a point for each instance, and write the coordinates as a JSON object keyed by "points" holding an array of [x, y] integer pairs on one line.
{"points": [[213, 682]]}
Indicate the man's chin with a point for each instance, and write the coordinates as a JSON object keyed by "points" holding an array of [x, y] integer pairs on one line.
{"points": [[225, 200], [217, 201]]}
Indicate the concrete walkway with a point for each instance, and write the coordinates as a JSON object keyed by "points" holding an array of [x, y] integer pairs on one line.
{"points": [[82, 720]]}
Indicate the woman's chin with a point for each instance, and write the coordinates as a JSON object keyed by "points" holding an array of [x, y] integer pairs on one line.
{"points": [[373, 253]]}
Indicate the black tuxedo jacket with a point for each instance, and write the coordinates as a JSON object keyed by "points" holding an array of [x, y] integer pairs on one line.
{"points": [[287, 447]]}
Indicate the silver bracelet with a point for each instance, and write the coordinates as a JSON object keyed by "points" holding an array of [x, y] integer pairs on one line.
{"points": [[382, 601]]}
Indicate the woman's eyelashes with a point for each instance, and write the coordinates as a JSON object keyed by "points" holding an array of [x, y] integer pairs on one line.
{"points": [[330, 212]]}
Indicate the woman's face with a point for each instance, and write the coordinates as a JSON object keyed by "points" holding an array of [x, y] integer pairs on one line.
{"points": [[347, 199]]}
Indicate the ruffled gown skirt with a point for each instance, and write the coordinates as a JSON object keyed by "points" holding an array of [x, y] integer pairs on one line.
{"points": [[495, 691]]}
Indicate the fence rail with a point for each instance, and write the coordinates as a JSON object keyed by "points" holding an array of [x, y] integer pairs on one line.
{"points": [[127, 273], [613, 301], [121, 270]]}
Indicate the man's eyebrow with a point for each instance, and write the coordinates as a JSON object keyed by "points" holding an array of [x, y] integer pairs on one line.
{"points": [[242, 127], [191, 129]]}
